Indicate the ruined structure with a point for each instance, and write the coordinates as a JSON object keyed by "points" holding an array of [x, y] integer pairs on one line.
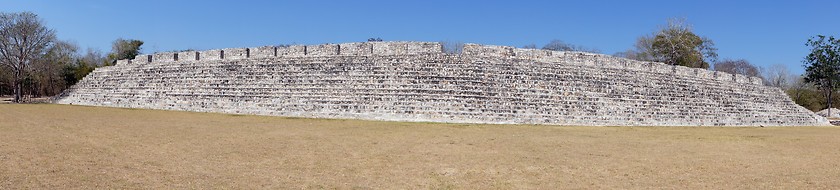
{"points": [[416, 81]]}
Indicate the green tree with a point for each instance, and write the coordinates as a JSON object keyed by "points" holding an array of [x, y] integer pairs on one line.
{"points": [[73, 73], [123, 49], [805, 94], [675, 44], [822, 65], [23, 37]]}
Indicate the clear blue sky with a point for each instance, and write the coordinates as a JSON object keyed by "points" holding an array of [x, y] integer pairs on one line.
{"points": [[763, 32]]}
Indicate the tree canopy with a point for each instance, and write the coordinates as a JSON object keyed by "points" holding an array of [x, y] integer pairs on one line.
{"points": [[123, 49], [23, 37], [822, 65], [674, 43], [740, 66], [34, 62]]}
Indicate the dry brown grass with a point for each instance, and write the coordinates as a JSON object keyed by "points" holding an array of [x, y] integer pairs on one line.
{"points": [[59, 146]]}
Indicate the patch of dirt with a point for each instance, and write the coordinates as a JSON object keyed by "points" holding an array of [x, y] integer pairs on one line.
{"points": [[50, 146]]}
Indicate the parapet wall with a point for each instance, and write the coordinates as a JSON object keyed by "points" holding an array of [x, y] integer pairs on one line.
{"points": [[409, 48], [604, 61], [345, 49], [416, 81]]}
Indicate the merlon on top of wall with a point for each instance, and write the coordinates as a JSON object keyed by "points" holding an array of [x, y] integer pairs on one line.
{"points": [[345, 49], [604, 61]]}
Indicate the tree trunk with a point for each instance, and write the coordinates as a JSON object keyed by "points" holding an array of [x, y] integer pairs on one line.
{"points": [[18, 91], [18, 86], [830, 89]]}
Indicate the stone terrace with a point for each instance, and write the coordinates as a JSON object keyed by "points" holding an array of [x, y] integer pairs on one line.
{"points": [[416, 81]]}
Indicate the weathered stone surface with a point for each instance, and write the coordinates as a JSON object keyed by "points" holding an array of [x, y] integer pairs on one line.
{"points": [[235, 53], [188, 56], [210, 55], [265, 51], [356, 49], [164, 57], [293, 50], [323, 49], [416, 81], [141, 59]]}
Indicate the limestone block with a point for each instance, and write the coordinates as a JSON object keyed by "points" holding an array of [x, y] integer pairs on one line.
{"points": [[724, 77], [488, 50], [558, 56], [235, 53], [661, 68], [533, 54], [636, 65], [389, 48], [608, 62], [756, 81], [323, 49], [423, 47], [142, 59], [188, 56], [264, 51], [293, 50], [164, 57], [214, 54], [742, 79], [624, 63], [590, 59], [685, 71], [361, 48], [122, 62], [706, 74]]}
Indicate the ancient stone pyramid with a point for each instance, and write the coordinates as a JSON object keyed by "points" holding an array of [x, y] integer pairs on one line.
{"points": [[416, 81]]}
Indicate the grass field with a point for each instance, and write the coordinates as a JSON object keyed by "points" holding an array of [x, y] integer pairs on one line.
{"points": [[60, 146]]}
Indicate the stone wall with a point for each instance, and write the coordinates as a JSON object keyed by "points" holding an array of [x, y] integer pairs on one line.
{"points": [[416, 81]]}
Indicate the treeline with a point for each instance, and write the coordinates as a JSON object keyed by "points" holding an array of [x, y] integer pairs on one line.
{"points": [[34, 63]]}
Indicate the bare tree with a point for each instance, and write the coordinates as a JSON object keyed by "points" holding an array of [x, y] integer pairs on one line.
{"points": [[529, 46], [93, 57], [629, 54], [777, 75], [452, 46], [740, 66], [23, 37], [559, 45], [644, 48]]}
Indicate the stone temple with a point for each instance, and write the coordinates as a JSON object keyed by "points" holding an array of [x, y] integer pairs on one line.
{"points": [[417, 81]]}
